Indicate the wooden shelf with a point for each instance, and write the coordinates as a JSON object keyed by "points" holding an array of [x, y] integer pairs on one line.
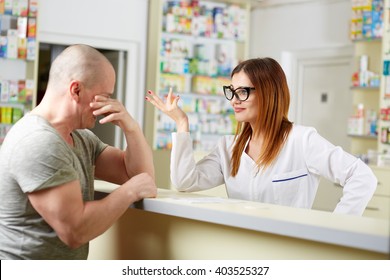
{"points": [[364, 88], [371, 137], [367, 40]]}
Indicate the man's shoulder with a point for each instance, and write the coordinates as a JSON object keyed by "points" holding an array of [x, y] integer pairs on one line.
{"points": [[32, 130]]}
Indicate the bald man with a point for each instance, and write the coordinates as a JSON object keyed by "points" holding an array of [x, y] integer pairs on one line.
{"points": [[49, 160]]}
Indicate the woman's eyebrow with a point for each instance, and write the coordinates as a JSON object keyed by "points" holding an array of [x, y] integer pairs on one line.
{"points": [[239, 87]]}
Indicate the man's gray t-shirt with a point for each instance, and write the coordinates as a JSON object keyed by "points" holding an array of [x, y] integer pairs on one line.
{"points": [[35, 157]]}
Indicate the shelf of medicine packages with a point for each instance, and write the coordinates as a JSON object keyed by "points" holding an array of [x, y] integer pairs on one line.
{"points": [[378, 39], [215, 85], [5, 127], [13, 105], [196, 94], [362, 136], [202, 96], [365, 88], [22, 106], [198, 39], [197, 132], [208, 134], [369, 137], [17, 59], [191, 112]]}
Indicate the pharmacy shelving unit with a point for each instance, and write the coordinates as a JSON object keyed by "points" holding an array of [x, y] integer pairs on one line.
{"points": [[375, 98], [18, 61], [192, 47], [366, 96], [379, 205], [384, 97]]}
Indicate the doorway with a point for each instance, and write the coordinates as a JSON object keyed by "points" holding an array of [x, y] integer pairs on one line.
{"points": [[319, 82]]}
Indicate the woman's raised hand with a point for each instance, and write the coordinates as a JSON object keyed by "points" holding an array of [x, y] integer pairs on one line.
{"points": [[170, 108]]}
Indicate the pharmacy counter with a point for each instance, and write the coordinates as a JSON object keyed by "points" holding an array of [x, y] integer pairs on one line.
{"points": [[179, 225]]}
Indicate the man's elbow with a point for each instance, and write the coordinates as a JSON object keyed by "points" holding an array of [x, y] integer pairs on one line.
{"points": [[71, 239]]}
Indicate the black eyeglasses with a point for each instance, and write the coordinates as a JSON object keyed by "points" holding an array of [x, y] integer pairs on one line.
{"points": [[241, 93]]}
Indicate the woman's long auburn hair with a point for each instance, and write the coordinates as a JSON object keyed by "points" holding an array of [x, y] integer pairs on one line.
{"points": [[273, 101]]}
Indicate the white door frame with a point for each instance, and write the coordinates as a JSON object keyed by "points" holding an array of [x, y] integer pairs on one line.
{"points": [[295, 63]]}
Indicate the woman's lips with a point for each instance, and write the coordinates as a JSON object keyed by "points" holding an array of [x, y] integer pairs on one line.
{"points": [[238, 110]]}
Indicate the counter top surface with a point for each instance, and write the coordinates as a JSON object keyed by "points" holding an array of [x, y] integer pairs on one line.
{"points": [[345, 230]]}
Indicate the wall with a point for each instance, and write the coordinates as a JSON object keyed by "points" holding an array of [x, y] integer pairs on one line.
{"points": [[289, 28], [297, 25], [106, 24]]}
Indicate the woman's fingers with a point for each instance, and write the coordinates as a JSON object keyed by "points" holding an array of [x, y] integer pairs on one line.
{"points": [[175, 101], [168, 105], [155, 100], [169, 98]]}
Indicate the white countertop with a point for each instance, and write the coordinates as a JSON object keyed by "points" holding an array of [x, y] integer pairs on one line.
{"points": [[345, 230]]}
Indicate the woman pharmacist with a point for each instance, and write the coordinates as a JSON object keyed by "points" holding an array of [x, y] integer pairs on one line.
{"points": [[270, 159]]}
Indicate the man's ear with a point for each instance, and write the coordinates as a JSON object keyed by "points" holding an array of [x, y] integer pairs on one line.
{"points": [[75, 88]]}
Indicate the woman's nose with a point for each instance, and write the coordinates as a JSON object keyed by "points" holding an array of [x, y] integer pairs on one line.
{"points": [[235, 100]]}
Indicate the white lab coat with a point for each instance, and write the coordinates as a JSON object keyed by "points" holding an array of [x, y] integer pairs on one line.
{"points": [[292, 180]]}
